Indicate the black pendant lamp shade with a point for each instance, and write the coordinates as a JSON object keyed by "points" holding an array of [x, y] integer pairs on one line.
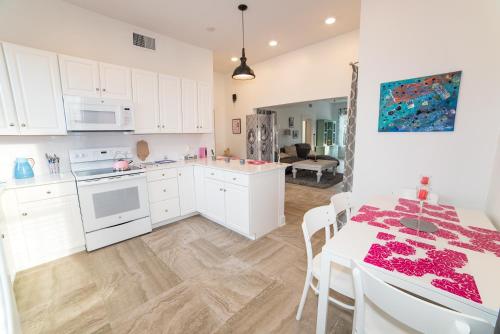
{"points": [[243, 72]]}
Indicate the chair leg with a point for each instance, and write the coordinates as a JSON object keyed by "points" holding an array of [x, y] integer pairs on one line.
{"points": [[307, 284]]}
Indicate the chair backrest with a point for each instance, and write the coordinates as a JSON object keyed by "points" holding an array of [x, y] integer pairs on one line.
{"points": [[410, 193], [407, 310], [316, 219], [342, 203]]}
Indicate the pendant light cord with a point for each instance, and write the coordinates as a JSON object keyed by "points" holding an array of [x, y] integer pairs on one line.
{"points": [[243, 28]]}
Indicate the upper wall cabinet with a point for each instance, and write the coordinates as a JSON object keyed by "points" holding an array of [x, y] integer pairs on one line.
{"points": [[84, 77], [36, 88], [116, 81], [8, 117], [205, 110], [146, 101], [79, 76], [170, 104], [189, 106]]}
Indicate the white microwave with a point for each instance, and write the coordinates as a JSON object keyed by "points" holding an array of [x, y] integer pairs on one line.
{"points": [[98, 114]]}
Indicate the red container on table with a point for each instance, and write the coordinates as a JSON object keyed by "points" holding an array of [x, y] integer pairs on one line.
{"points": [[422, 194], [424, 180]]}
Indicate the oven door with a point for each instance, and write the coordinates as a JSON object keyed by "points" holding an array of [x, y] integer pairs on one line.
{"points": [[113, 200]]}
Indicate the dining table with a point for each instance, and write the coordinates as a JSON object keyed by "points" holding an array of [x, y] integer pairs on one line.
{"points": [[457, 266]]}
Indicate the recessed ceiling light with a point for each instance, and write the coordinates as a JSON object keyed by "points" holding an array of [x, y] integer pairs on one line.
{"points": [[273, 43], [330, 20], [235, 59]]}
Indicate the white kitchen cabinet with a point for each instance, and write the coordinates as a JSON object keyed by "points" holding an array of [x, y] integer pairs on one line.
{"points": [[237, 207], [204, 107], [170, 104], [145, 95], [199, 188], [44, 225], [162, 190], [164, 210], [8, 117], [116, 81], [189, 106], [79, 76], [36, 88], [214, 200], [187, 200], [51, 227]]}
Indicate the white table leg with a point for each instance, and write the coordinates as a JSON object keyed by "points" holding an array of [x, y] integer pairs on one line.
{"points": [[294, 172], [318, 176], [324, 289]]}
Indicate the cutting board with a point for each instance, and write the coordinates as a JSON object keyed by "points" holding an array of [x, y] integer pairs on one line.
{"points": [[142, 150]]}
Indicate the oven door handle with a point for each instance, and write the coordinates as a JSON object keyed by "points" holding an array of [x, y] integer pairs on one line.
{"points": [[111, 179]]}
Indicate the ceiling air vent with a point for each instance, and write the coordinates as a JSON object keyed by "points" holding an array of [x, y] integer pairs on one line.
{"points": [[144, 41]]}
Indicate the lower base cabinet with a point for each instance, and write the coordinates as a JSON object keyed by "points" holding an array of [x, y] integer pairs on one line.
{"points": [[214, 200], [42, 230], [164, 210], [237, 207]]}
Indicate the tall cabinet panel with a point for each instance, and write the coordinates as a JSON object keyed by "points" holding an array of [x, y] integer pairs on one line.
{"points": [[205, 110], [186, 189], [170, 104], [189, 106], [8, 117], [146, 101], [36, 87], [79, 76]]}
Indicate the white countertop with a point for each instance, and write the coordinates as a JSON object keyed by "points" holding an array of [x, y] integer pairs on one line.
{"points": [[232, 166], [38, 180]]}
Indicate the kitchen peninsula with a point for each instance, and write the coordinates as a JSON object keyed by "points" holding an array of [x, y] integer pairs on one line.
{"points": [[246, 198]]}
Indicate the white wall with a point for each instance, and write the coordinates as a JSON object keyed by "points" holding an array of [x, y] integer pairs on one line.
{"points": [[493, 205], [63, 28], [221, 117], [315, 72], [406, 39]]}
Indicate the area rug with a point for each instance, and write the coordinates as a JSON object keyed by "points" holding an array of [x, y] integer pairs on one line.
{"points": [[308, 178]]}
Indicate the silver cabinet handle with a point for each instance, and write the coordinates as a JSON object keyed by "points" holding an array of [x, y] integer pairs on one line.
{"points": [[104, 89], [23, 125], [163, 126], [162, 174], [212, 174], [234, 179], [24, 214], [158, 126], [180, 174], [11, 124], [48, 192], [166, 210], [225, 190], [164, 190], [96, 89]]}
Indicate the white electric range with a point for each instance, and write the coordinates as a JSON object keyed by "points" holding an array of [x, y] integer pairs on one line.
{"points": [[113, 203]]}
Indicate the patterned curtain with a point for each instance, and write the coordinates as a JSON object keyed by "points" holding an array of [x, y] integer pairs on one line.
{"points": [[351, 129]]}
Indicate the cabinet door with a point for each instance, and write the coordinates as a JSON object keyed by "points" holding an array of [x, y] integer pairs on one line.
{"points": [[237, 207], [170, 104], [8, 117], [205, 110], [214, 200], [146, 104], [116, 81], [52, 228], [79, 76], [189, 106], [199, 184], [164, 210], [36, 87], [186, 189]]}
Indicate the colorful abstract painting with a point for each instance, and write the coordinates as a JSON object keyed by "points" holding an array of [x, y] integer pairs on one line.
{"points": [[419, 105]]}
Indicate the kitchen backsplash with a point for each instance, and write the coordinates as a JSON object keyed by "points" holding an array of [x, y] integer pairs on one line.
{"points": [[173, 146]]}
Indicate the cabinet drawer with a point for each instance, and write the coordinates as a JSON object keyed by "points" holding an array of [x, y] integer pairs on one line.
{"points": [[162, 190], [237, 178], [164, 210], [161, 174], [215, 173], [37, 193]]}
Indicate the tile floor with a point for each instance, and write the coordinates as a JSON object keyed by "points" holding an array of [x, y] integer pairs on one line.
{"points": [[192, 276]]}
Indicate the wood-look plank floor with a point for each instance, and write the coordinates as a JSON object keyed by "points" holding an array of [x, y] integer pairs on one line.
{"points": [[192, 276]]}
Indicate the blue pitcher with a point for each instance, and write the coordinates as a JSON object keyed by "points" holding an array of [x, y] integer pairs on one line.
{"points": [[23, 168]]}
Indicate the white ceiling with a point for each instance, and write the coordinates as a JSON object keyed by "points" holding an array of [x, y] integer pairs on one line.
{"points": [[293, 23]]}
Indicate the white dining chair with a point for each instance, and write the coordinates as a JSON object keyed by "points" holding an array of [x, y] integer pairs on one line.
{"points": [[341, 279], [381, 308], [410, 193], [342, 203]]}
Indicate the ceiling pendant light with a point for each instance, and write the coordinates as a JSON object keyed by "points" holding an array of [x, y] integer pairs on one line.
{"points": [[243, 72]]}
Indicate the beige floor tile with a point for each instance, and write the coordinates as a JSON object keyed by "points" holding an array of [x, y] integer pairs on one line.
{"points": [[169, 236]]}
